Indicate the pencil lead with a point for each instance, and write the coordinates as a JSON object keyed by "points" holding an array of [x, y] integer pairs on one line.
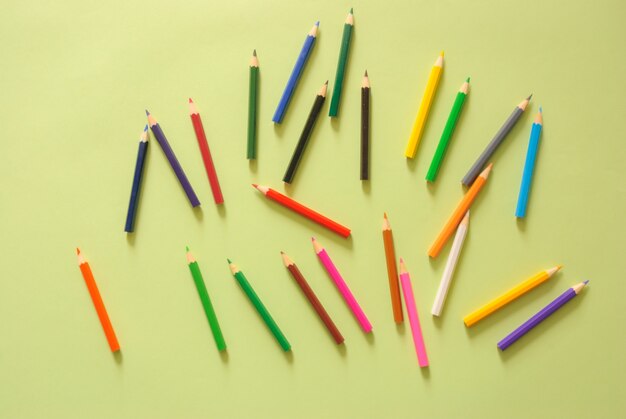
{"points": [[468, 80], [326, 83], [145, 128], [586, 282], [282, 253], [190, 101], [187, 248], [147, 113], [229, 261], [385, 215], [441, 53], [366, 73], [312, 239], [317, 23], [401, 260], [351, 10], [528, 98], [540, 110], [254, 53], [77, 251], [254, 185]]}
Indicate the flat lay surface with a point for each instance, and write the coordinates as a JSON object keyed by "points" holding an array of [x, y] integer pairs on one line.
{"points": [[76, 79]]}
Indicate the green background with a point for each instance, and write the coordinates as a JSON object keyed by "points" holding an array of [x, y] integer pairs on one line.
{"points": [[74, 82]]}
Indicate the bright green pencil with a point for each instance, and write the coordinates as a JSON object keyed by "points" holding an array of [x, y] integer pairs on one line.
{"points": [[447, 132], [254, 75], [341, 65], [256, 301], [206, 301]]}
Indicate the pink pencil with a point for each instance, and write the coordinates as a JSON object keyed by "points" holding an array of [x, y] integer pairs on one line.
{"points": [[342, 286], [414, 320]]}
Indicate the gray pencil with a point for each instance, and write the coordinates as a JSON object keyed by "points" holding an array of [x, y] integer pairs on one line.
{"points": [[508, 125]]}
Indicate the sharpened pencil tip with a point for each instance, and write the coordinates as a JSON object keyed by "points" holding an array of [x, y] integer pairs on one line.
{"points": [[312, 239], [468, 80], [441, 53], [540, 109], [326, 83], [586, 282], [282, 253], [401, 260], [254, 185], [317, 23], [187, 248], [385, 215], [351, 10], [145, 128], [254, 53], [190, 101], [365, 73], [77, 251], [229, 261], [147, 113], [529, 97]]}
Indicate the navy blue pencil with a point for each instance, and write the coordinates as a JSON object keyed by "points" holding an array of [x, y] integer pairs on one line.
{"points": [[134, 192], [171, 157], [281, 109]]}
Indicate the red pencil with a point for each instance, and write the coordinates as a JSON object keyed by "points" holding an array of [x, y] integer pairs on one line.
{"points": [[206, 153], [304, 211]]}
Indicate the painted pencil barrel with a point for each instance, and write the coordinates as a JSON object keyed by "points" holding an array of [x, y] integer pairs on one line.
{"points": [[529, 167], [207, 159], [281, 109], [207, 306], [134, 193], [414, 321], [536, 319], [431, 176], [252, 105], [178, 170], [265, 314], [304, 139], [365, 133], [482, 160], [392, 276], [341, 68]]}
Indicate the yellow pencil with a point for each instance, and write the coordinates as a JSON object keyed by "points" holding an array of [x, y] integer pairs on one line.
{"points": [[515, 292], [422, 114]]}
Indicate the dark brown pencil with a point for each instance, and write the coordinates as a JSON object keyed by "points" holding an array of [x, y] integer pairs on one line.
{"points": [[365, 127], [310, 295], [306, 134]]}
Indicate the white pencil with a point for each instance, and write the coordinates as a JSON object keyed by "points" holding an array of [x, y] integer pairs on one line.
{"points": [[453, 257]]}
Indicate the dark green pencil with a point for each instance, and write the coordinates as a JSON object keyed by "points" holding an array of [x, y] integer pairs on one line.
{"points": [[457, 107], [341, 65], [206, 301], [254, 76], [256, 301]]}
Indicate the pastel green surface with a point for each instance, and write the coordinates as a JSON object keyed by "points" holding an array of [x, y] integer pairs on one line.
{"points": [[76, 77]]}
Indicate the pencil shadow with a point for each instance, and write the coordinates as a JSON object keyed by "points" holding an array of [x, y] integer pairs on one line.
{"points": [[435, 263], [370, 338], [425, 372], [411, 164], [515, 305], [536, 333], [289, 356], [401, 329], [521, 223], [431, 187], [342, 349], [366, 187], [253, 165], [437, 321], [224, 356], [197, 212], [118, 357], [221, 210], [130, 238]]}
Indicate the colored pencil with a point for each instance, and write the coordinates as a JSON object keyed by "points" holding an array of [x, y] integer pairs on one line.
{"points": [[347, 295], [171, 157], [414, 321], [101, 310], [297, 207], [206, 301], [365, 127], [252, 104], [310, 295], [543, 314], [260, 308], [298, 68], [455, 113], [459, 213], [392, 271], [341, 65], [482, 160], [529, 166], [290, 173], [422, 114], [136, 188], [511, 295], [448, 271], [196, 121]]}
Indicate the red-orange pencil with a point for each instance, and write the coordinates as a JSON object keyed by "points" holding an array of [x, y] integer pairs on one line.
{"points": [[97, 302], [392, 271], [206, 153], [302, 210]]}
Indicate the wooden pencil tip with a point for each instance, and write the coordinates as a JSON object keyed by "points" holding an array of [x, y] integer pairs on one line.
{"points": [[468, 80], [541, 110], [282, 253], [187, 248], [317, 23], [366, 73], [385, 215], [147, 113], [441, 53], [586, 282], [401, 260], [529, 97], [77, 251], [326, 83], [229, 261], [254, 185], [313, 239], [254, 53], [190, 101], [145, 129], [351, 10]]}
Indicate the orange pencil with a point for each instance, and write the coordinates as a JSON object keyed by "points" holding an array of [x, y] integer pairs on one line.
{"points": [[97, 302], [459, 213], [392, 271]]}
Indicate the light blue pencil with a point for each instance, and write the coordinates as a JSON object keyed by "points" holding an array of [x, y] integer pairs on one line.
{"points": [[309, 42], [529, 166]]}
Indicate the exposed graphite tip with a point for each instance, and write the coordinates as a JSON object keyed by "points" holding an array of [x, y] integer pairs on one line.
{"points": [[147, 113], [254, 53], [366, 73], [468, 80], [586, 282], [317, 23], [187, 248], [229, 261], [529, 97], [190, 101], [145, 128]]}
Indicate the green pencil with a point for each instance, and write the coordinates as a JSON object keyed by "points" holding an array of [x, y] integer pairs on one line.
{"points": [[254, 75], [256, 301], [447, 132], [206, 301], [341, 65]]}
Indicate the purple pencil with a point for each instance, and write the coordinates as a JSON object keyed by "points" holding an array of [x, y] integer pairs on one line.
{"points": [[543, 314], [171, 157]]}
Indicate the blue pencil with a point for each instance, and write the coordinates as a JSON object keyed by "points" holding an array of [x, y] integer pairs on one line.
{"points": [[529, 166], [134, 192], [281, 109]]}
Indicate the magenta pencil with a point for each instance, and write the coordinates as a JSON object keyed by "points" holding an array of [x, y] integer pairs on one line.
{"points": [[342, 286], [414, 320]]}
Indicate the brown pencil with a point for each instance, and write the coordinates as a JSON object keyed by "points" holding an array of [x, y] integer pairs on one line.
{"points": [[392, 271], [310, 295]]}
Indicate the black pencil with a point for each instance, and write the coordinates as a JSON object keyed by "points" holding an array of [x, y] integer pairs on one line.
{"points": [[306, 134], [365, 127]]}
